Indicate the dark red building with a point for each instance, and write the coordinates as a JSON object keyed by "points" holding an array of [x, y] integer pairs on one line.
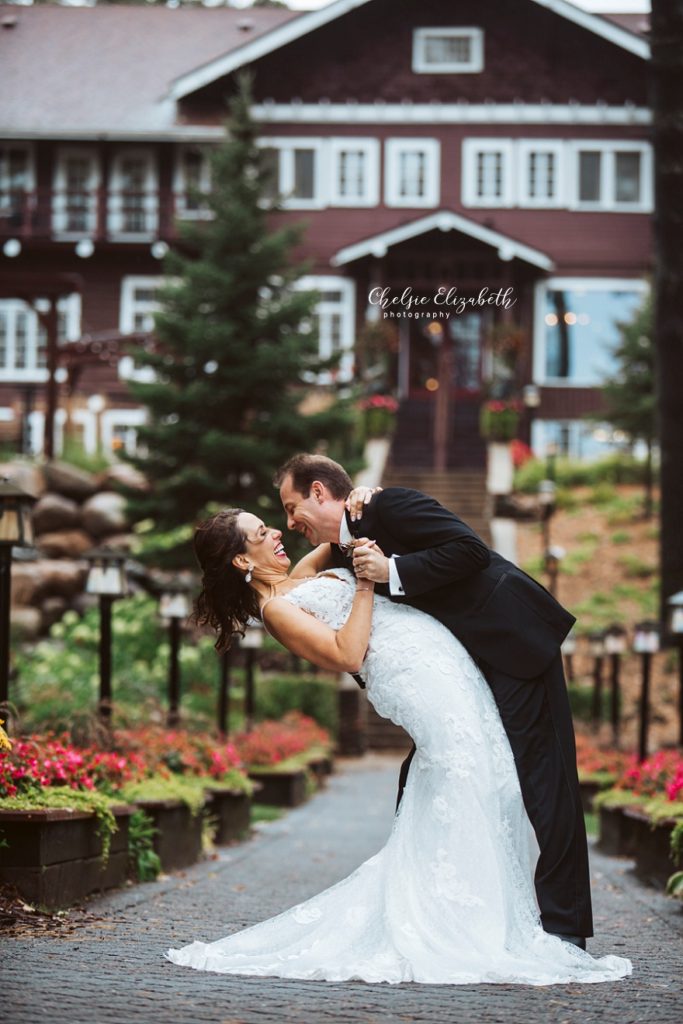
{"points": [[477, 146]]}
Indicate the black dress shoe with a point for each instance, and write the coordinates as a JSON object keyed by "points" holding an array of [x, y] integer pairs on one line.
{"points": [[576, 940]]}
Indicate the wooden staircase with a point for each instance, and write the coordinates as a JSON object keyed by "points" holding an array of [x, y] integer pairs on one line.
{"points": [[463, 491]]}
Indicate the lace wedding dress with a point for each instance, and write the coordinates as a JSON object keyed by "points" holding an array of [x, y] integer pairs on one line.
{"points": [[450, 898]]}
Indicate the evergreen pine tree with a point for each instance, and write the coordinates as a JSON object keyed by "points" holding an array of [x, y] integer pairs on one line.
{"points": [[629, 396], [231, 353]]}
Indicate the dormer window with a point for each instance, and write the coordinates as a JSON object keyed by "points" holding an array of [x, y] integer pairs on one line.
{"points": [[448, 51]]}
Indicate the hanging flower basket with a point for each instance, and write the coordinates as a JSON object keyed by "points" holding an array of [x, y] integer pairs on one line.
{"points": [[498, 421], [379, 415]]}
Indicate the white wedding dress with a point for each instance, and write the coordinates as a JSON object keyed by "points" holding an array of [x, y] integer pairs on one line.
{"points": [[450, 898]]}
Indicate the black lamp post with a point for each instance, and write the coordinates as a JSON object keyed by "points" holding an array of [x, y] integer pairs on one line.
{"points": [[569, 650], [615, 647], [645, 643], [16, 530], [553, 557], [674, 605], [546, 500], [106, 579], [174, 608], [251, 642], [597, 648]]}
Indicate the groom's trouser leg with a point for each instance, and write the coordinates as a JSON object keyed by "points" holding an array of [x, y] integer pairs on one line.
{"points": [[538, 721], [403, 775]]}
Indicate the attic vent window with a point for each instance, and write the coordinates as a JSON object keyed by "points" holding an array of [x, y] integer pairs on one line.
{"points": [[448, 51]]}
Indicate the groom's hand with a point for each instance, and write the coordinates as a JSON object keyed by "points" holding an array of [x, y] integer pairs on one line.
{"points": [[369, 561]]}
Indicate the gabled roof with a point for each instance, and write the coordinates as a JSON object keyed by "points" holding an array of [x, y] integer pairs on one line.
{"points": [[443, 220], [105, 71], [288, 32]]}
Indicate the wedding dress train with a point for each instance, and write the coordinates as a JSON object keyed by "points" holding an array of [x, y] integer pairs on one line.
{"points": [[450, 898]]}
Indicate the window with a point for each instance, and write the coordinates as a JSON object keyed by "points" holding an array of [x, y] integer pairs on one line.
{"points": [[192, 178], [139, 303], [448, 50], [355, 169], [16, 180], [297, 171], [612, 176], [334, 317], [578, 439], [487, 172], [540, 174], [412, 172], [133, 200], [23, 341], [119, 430], [577, 327], [74, 204]]}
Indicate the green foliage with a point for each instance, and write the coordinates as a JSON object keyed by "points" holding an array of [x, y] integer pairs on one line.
{"points": [[58, 678], [581, 701], [674, 886], [91, 801], [312, 695], [635, 568], [265, 812], [629, 396], [621, 537], [145, 863], [677, 844], [613, 469], [235, 348], [75, 454], [186, 788], [591, 820]]}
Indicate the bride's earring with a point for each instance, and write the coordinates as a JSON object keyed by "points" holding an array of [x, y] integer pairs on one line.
{"points": [[249, 574]]}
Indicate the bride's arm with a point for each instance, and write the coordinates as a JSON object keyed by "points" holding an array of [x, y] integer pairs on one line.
{"points": [[340, 650], [315, 561]]}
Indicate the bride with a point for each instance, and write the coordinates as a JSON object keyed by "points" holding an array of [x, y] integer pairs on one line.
{"points": [[450, 898]]}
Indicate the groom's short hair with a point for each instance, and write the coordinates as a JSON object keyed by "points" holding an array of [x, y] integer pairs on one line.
{"points": [[304, 469]]}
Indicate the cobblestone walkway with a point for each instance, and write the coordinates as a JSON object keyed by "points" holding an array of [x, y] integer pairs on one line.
{"points": [[112, 970]]}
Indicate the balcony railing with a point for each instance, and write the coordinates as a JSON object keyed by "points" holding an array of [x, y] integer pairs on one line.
{"points": [[111, 215]]}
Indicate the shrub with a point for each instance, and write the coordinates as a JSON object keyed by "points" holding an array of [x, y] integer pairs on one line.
{"points": [[313, 696]]}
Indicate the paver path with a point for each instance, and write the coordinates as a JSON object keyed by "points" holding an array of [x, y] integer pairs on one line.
{"points": [[112, 970]]}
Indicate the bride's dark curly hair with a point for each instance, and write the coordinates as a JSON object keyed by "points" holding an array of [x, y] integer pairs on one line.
{"points": [[226, 601]]}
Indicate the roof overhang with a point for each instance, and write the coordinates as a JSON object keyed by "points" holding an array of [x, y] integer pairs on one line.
{"points": [[443, 220], [298, 27]]}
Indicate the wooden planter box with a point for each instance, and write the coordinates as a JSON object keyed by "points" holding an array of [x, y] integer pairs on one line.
{"points": [[654, 863], [321, 768], [54, 856], [282, 789], [178, 841], [617, 832], [588, 791], [231, 813]]}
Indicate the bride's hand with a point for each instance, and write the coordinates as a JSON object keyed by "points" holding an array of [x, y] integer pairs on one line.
{"points": [[369, 561], [359, 497]]}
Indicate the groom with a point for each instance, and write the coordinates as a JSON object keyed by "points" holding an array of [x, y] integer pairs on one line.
{"points": [[427, 557]]}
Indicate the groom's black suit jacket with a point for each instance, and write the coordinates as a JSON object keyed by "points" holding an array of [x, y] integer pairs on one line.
{"points": [[501, 615]]}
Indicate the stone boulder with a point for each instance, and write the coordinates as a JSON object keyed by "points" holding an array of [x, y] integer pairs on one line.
{"points": [[61, 578], [27, 579], [120, 541], [54, 513], [69, 481], [26, 623], [65, 544], [25, 475], [104, 514], [124, 475], [52, 609]]}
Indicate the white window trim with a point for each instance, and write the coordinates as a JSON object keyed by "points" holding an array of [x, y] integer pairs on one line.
{"points": [[29, 149], [370, 147], [180, 185], [347, 308], [127, 309], [59, 197], [608, 148], [525, 147], [475, 65], [587, 284], [432, 149], [151, 199], [112, 418], [286, 145], [70, 305], [471, 148]]}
